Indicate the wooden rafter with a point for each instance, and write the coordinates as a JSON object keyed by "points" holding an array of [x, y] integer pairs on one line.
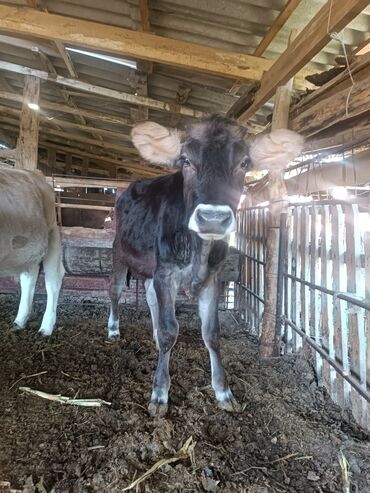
{"points": [[333, 16], [66, 58], [276, 26], [362, 48], [5, 110], [128, 164], [124, 42], [123, 150], [92, 115], [103, 91]]}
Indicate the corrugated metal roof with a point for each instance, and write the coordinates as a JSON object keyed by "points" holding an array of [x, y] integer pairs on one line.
{"points": [[234, 25]]}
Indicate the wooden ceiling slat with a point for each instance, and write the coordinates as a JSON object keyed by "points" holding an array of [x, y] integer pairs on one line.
{"points": [[103, 91]]}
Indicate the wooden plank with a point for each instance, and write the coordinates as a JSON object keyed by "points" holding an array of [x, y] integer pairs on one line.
{"points": [[129, 151], [328, 323], [27, 145], [277, 196], [353, 136], [130, 165], [67, 124], [336, 109], [354, 327], [367, 314], [333, 16], [103, 91], [124, 42], [288, 285], [85, 206], [8, 154], [362, 48], [85, 182], [315, 296], [145, 26], [304, 256], [276, 26], [66, 59], [93, 115], [359, 69], [339, 315]]}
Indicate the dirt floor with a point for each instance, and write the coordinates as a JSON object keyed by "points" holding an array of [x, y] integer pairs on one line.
{"points": [[287, 438]]}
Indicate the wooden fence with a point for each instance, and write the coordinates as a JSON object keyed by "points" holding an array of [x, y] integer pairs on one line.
{"points": [[325, 279]]}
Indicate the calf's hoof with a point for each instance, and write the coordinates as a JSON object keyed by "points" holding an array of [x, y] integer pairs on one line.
{"points": [[45, 332], [114, 337], [157, 409], [229, 403]]}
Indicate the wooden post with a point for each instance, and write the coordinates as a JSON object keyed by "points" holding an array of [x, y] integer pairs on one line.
{"points": [[278, 198], [27, 145]]}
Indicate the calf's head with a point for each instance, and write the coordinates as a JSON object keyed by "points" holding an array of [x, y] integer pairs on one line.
{"points": [[213, 155]]}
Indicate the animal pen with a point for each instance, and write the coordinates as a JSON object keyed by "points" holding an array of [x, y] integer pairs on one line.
{"points": [[75, 78]]}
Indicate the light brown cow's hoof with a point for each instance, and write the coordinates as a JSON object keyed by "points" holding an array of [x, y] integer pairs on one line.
{"points": [[17, 328], [157, 409], [231, 405]]}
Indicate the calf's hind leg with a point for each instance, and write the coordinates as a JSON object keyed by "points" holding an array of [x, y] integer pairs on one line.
{"points": [[152, 301], [208, 312], [117, 282]]}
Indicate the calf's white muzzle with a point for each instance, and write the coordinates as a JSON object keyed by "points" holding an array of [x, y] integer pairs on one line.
{"points": [[212, 222]]}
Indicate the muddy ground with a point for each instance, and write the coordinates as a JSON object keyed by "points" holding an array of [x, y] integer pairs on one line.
{"points": [[286, 439]]}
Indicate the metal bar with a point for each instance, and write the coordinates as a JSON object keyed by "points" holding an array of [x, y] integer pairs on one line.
{"points": [[253, 293], [324, 355], [337, 294], [254, 259]]}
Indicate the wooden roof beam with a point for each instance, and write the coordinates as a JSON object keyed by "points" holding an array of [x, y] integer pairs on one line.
{"points": [[66, 59], [123, 150], [276, 26], [131, 165], [103, 91], [66, 124], [124, 42], [333, 16], [92, 115]]}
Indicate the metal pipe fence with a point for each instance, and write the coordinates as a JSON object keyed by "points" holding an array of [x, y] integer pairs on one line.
{"points": [[323, 291]]}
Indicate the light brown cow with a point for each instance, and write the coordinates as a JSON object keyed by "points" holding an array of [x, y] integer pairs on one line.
{"points": [[29, 236]]}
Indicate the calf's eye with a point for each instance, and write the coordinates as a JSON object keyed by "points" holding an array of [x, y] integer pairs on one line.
{"points": [[245, 163], [186, 162]]}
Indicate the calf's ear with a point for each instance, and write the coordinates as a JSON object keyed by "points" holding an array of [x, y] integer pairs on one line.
{"points": [[276, 149], [156, 144]]}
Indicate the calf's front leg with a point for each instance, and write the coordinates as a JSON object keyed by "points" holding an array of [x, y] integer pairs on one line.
{"points": [[208, 312], [165, 285]]}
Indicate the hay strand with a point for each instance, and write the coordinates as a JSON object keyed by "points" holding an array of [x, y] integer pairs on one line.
{"points": [[185, 452], [66, 400]]}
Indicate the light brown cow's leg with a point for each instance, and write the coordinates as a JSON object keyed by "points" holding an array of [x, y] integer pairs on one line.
{"points": [[54, 273], [28, 282]]}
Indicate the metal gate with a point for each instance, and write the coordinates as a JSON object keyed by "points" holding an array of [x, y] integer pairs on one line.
{"points": [[324, 278]]}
